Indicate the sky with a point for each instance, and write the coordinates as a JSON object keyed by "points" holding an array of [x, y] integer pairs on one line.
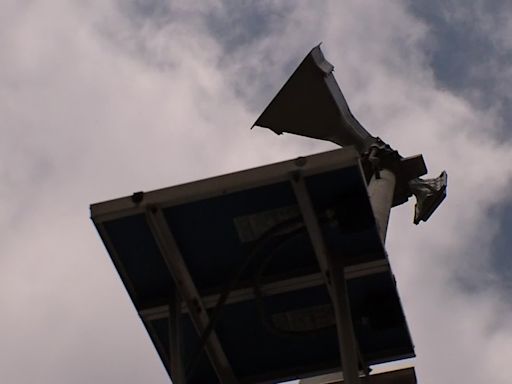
{"points": [[100, 99]]}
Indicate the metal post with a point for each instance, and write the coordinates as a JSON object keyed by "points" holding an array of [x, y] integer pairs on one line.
{"points": [[346, 337], [381, 190], [334, 275], [174, 322]]}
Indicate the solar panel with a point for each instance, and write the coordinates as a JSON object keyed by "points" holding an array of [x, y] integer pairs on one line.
{"points": [[237, 252]]}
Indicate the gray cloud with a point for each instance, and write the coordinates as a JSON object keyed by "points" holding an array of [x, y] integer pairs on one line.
{"points": [[470, 51], [470, 55], [98, 101]]}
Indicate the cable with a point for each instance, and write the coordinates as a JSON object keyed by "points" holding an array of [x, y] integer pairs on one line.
{"points": [[216, 313]]}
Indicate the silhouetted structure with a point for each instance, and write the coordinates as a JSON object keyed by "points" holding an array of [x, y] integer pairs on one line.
{"points": [[277, 272]]}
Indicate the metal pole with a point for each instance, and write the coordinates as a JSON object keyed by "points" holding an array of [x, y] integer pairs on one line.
{"points": [[175, 340], [381, 190], [346, 337], [334, 275]]}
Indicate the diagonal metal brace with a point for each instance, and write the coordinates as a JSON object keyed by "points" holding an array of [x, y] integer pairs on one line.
{"points": [[189, 293]]}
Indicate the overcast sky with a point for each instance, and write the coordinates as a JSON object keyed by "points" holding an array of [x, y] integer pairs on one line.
{"points": [[101, 99]]}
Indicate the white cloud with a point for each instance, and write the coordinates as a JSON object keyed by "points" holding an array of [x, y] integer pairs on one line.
{"points": [[96, 104]]}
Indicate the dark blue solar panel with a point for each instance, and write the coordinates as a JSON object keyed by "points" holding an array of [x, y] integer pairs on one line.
{"points": [[215, 245], [206, 233], [140, 263], [253, 347], [207, 236]]}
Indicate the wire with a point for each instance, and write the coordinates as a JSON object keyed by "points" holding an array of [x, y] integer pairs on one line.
{"points": [[216, 313]]}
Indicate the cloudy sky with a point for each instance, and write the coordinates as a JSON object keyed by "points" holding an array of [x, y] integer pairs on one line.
{"points": [[100, 99]]}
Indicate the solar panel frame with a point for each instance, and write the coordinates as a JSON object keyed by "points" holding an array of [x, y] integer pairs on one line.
{"points": [[138, 205]]}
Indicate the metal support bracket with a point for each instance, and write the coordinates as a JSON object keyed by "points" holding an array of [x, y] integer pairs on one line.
{"points": [[174, 321], [273, 288], [334, 277], [189, 293]]}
